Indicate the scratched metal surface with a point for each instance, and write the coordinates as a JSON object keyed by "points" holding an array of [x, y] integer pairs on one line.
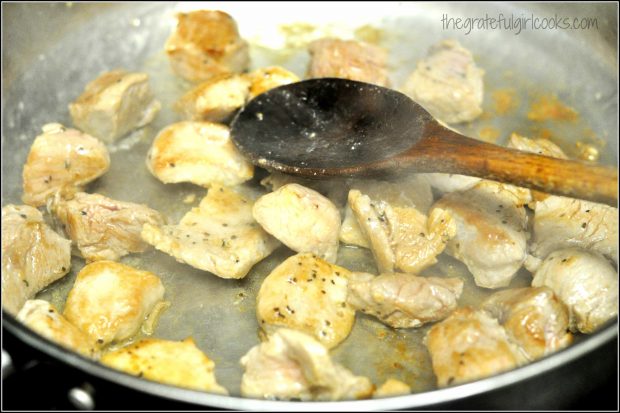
{"points": [[47, 67]]}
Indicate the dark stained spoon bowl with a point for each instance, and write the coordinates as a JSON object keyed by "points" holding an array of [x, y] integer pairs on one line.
{"points": [[330, 127]]}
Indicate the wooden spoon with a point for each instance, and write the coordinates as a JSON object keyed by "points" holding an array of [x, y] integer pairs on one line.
{"points": [[331, 127]]}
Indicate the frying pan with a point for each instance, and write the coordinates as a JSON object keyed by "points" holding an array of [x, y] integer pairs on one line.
{"points": [[50, 51]]}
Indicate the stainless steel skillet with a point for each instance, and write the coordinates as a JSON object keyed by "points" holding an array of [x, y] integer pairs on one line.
{"points": [[50, 51]]}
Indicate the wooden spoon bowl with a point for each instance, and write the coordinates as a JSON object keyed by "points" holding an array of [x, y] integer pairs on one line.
{"points": [[330, 127]]}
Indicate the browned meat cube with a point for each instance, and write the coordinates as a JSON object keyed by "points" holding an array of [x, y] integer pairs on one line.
{"points": [[448, 83], [586, 282], [206, 43], [62, 161], [293, 365], [348, 59], [404, 300], [114, 104], [33, 256], [179, 363], [198, 152], [264, 79], [45, 319], [534, 318], [109, 301], [470, 345], [103, 228], [303, 219], [214, 99], [308, 294]]}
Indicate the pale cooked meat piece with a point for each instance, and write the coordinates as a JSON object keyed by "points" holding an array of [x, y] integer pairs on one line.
{"points": [[206, 43], [215, 99], [470, 345], [491, 234], [293, 365], [103, 228], [219, 236], [532, 263], [44, 318], [391, 388], [303, 219], [178, 363], [198, 152], [62, 160], [538, 146], [114, 104], [446, 183], [448, 83], [413, 191], [109, 301], [266, 78], [586, 282], [33, 255], [334, 189], [348, 59], [350, 231], [404, 300], [534, 318], [277, 180], [308, 294], [401, 238], [561, 222]]}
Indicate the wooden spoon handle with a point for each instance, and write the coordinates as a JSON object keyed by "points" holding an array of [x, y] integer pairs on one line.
{"points": [[442, 150]]}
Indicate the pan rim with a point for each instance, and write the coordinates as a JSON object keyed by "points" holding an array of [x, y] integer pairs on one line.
{"points": [[417, 400]]}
